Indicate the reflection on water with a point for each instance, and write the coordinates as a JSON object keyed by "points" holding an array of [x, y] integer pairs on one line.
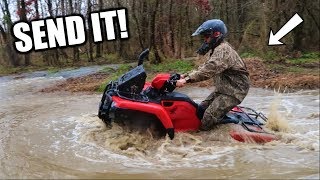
{"points": [[58, 135]]}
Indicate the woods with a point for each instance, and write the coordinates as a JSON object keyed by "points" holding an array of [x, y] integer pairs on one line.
{"points": [[164, 26]]}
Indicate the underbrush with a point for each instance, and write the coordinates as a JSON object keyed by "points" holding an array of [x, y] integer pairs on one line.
{"points": [[297, 62], [113, 74], [168, 66], [171, 66], [306, 58]]}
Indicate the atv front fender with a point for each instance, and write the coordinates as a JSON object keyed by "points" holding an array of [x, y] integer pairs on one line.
{"points": [[147, 107]]}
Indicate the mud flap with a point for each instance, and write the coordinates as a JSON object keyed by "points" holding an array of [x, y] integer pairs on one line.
{"points": [[170, 132], [104, 108]]}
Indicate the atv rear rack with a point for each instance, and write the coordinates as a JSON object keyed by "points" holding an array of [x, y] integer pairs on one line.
{"points": [[256, 116], [254, 113]]}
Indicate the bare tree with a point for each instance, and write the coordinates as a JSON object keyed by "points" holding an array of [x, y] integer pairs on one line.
{"points": [[12, 56]]}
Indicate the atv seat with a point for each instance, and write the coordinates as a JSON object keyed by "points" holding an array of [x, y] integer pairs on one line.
{"points": [[176, 96]]}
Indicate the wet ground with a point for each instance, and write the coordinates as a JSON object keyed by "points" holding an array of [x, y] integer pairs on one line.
{"points": [[58, 135], [260, 77]]}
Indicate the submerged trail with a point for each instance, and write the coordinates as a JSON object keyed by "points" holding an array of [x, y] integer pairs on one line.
{"points": [[58, 135]]}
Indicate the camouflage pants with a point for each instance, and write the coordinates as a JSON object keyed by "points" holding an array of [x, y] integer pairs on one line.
{"points": [[217, 105]]}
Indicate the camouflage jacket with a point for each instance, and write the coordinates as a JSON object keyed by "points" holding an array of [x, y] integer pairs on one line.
{"points": [[228, 71]]}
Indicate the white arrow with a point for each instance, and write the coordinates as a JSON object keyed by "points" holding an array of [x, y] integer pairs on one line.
{"points": [[291, 24]]}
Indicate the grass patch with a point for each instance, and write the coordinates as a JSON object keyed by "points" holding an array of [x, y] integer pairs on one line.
{"points": [[18, 70], [28, 69], [6, 70], [310, 59], [114, 74], [292, 69], [172, 65], [38, 64], [107, 70], [248, 55], [267, 56], [296, 69], [270, 56], [113, 58], [52, 70], [306, 58]]}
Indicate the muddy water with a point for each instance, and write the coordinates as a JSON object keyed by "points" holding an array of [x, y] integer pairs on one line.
{"points": [[58, 135]]}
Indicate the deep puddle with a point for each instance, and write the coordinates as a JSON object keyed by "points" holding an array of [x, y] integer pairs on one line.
{"points": [[58, 135]]}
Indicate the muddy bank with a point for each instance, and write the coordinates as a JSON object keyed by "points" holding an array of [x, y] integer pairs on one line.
{"points": [[86, 83], [261, 76]]}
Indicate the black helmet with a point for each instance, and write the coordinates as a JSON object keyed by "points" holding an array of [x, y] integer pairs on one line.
{"points": [[209, 28]]}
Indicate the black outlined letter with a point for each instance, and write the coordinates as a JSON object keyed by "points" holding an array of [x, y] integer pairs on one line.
{"points": [[56, 32], [113, 20], [108, 18], [70, 30], [38, 35], [25, 44], [96, 27], [76, 32], [122, 23]]}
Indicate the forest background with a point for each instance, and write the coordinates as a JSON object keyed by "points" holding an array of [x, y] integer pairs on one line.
{"points": [[165, 26]]}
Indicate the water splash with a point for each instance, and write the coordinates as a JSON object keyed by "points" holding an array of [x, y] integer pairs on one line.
{"points": [[276, 120], [297, 133], [188, 147]]}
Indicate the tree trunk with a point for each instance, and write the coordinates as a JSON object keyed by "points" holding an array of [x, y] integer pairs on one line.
{"points": [[134, 16], [76, 56], [120, 44], [153, 45], [189, 30], [144, 22], [23, 17], [171, 29], [240, 13], [181, 43], [70, 7], [49, 2], [36, 6], [10, 52], [98, 45], [298, 33], [89, 31]]}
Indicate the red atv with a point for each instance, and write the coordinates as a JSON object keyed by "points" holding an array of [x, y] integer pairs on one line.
{"points": [[133, 102]]}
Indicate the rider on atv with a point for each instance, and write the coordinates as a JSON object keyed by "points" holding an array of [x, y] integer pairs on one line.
{"points": [[224, 65]]}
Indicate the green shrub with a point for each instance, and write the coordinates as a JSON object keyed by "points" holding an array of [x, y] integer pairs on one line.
{"points": [[52, 70], [113, 58], [114, 74], [305, 58], [172, 65], [270, 55], [247, 55]]}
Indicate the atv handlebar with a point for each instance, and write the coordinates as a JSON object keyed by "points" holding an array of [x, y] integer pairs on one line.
{"points": [[170, 84], [175, 77], [143, 55]]}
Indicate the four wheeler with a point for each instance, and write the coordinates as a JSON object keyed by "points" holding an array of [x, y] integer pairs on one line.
{"points": [[131, 101]]}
